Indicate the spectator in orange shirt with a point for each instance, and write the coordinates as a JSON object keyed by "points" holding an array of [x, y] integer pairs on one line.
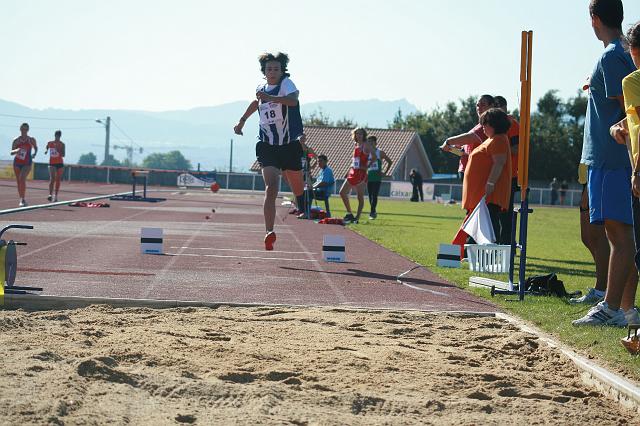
{"points": [[506, 218], [488, 171]]}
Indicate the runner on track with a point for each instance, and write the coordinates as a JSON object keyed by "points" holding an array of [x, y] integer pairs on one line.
{"points": [[56, 150], [278, 148], [21, 149]]}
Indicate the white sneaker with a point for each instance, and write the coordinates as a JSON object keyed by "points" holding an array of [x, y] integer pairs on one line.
{"points": [[55, 198], [592, 297], [602, 315], [632, 316], [22, 203]]}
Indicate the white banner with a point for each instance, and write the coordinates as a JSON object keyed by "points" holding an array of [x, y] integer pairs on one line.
{"points": [[405, 190], [187, 179]]}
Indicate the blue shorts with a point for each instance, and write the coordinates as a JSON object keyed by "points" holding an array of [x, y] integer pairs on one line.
{"points": [[610, 195]]}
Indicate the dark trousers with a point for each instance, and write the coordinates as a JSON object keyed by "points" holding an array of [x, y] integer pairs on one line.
{"points": [[417, 189], [373, 188], [506, 217], [494, 213]]}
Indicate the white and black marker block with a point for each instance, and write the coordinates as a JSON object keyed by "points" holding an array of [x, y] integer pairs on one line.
{"points": [[333, 248], [449, 255], [151, 241]]}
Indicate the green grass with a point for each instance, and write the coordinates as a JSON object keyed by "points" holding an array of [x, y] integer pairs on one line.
{"points": [[414, 230]]}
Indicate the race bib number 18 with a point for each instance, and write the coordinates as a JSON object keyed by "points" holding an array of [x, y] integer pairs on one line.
{"points": [[270, 113]]}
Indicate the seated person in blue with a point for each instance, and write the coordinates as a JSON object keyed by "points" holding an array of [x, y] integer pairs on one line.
{"points": [[323, 185]]}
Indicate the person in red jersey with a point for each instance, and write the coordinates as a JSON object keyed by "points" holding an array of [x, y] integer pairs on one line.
{"points": [[357, 175], [56, 150], [23, 159]]}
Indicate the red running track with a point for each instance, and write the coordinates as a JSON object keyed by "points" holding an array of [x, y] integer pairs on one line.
{"points": [[96, 252]]}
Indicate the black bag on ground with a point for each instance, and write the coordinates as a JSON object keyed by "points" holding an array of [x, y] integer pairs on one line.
{"points": [[547, 285]]}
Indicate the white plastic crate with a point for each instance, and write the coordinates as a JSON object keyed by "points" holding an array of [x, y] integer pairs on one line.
{"points": [[492, 258]]}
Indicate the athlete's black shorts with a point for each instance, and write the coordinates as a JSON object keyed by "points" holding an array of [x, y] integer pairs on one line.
{"points": [[57, 166], [283, 157]]}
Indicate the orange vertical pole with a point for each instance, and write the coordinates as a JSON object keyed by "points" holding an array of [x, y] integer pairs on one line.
{"points": [[525, 110]]}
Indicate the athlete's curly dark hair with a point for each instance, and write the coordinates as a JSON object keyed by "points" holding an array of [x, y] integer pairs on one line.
{"points": [[281, 57], [633, 36]]}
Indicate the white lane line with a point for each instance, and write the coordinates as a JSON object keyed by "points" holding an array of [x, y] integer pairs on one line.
{"points": [[244, 250], [161, 276], [58, 203], [82, 234], [238, 257], [399, 280], [439, 293], [325, 276]]}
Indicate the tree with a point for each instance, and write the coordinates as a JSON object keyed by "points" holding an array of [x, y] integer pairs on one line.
{"points": [[88, 159], [436, 126], [556, 133], [319, 118], [173, 160], [111, 161]]}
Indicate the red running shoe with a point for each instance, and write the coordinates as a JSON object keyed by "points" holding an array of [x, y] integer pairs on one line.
{"points": [[269, 239]]}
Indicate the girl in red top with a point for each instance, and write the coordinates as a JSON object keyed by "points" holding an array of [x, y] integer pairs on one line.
{"points": [[357, 175], [21, 149], [56, 151]]}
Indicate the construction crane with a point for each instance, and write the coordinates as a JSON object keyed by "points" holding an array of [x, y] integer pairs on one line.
{"points": [[130, 149]]}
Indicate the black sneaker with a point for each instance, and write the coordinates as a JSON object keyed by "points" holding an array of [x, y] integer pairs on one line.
{"points": [[349, 218]]}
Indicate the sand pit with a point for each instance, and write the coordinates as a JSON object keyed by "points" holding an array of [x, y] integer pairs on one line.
{"points": [[273, 365]]}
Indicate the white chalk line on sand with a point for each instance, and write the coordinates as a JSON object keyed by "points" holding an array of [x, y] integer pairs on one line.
{"points": [[243, 250]]}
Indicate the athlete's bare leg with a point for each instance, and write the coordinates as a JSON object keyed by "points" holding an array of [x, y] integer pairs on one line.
{"points": [[52, 178], [360, 193], [344, 194], [295, 179], [59, 173], [16, 170], [23, 178], [270, 176]]}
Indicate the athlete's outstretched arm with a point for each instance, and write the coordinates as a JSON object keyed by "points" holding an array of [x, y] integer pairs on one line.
{"points": [[290, 100], [253, 107], [385, 157]]}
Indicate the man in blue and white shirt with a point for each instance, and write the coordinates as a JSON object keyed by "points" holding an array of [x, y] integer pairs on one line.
{"points": [[278, 148]]}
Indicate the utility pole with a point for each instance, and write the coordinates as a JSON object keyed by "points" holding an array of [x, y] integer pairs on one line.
{"points": [[231, 158], [107, 127]]}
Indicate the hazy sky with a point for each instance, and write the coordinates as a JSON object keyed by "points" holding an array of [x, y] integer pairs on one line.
{"points": [[164, 55]]}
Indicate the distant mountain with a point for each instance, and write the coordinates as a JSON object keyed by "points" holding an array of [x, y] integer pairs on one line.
{"points": [[201, 134]]}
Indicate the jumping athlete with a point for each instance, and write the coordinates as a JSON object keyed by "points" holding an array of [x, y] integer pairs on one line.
{"points": [[56, 150], [375, 173], [357, 175], [278, 148], [21, 149]]}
